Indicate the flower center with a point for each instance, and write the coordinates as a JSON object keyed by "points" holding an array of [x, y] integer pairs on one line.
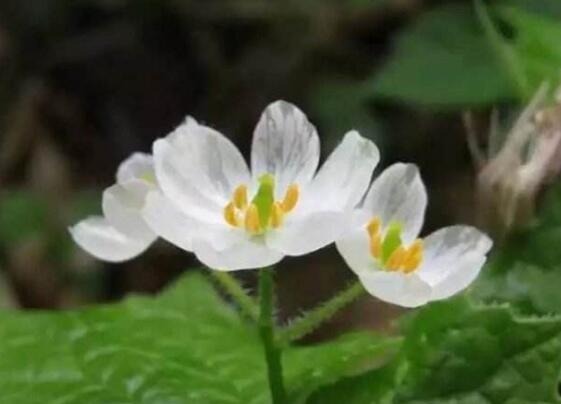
{"points": [[389, 250], [149, 177], [263, 212]]}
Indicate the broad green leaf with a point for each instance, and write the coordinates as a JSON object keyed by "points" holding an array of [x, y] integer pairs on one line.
{"points": [[456, 352], [185, 346], [443, 60]]}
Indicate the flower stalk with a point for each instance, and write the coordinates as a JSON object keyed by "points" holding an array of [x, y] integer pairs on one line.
{"points": [[247, 305], [267, 334], [313, 319]]}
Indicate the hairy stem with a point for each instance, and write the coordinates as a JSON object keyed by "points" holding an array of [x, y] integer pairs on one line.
{"points": [[313, 319], [248, 306], [267, 334]]}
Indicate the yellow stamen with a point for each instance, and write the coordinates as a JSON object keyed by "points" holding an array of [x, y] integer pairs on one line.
{"points": [[375, 245], [413, 257], [240, 197], [374, 226], [277, 215], [230, 215], [396, 259], [290, 198], [252, 219]]}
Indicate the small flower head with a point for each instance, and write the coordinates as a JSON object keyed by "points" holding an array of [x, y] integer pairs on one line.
{"points": [[121, 233], [383, 248], [249, 218]]}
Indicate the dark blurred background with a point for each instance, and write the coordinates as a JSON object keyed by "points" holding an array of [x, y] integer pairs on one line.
{"points": [[84, 83]]}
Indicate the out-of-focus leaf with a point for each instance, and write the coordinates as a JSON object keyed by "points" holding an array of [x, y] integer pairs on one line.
{"points": [[537, 46], [443, 60], [22, 216], [455, 352], [525, 270], [550, 8], [530, 289], [185, 346]]}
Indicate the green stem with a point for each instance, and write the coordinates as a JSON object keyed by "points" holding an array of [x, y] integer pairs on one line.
{"points": [[232, 287], [313, 319], [267, 333]]}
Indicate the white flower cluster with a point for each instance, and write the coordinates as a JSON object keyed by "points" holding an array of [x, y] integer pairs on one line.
{"points": [[197, 192]]}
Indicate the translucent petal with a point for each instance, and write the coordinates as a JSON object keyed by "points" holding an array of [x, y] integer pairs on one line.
{"points": [[460, 277], [168, 222], [399, 194], [451, 248], [397, 288], [198, 169], [96, 236], [137, 166], [345, 176], [122, 209], [286, 145], [246, 254], [307, 233], [355, 250]]}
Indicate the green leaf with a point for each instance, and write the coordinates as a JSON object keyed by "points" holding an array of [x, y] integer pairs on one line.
{"points": [[537, 45], [443, 60], [531, 289], [185, 346], [457, 352], [548, 8]]}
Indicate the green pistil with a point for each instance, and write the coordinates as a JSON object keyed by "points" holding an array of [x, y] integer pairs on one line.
{"points": [[392, 241], [265, 198], [149, 177]]}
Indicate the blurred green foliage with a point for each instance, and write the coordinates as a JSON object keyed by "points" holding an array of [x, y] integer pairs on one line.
{"points": [[22, 216], [452, 57], [536, 50], [443, 60]]}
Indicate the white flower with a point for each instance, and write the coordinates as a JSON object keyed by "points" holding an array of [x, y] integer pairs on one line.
{"points": [[394, 265], [121, 233], [250, 219]]}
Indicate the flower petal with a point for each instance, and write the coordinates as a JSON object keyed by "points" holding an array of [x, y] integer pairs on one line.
{"points": [[122, 209], [451, 249], [459, 278], [247, 254], [307, 233], [168, 222], [344, 177], [399, 194], [286, 145], [103, 241], [397, 288], [355, 250], [198, 169], [178, 188], [139, 166]]}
